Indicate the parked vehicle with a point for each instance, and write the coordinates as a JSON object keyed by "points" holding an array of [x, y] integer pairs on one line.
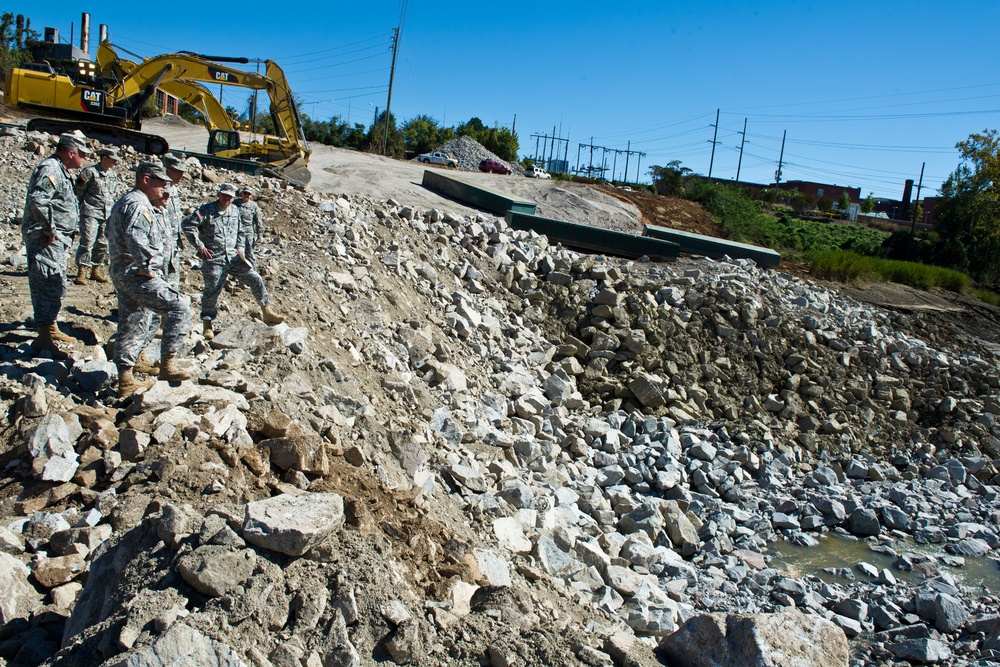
{"points": [[494, 167], [534, 171], [437, 157]]}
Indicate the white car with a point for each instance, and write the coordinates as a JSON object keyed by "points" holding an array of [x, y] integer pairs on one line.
{"points": [[534, 171], [440, 158]]}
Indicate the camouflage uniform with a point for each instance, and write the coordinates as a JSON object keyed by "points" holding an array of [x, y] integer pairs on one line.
{"points": [[137, 239], [172, 214], [223, 233], [253, 222], [95, 188], [51, 215]]}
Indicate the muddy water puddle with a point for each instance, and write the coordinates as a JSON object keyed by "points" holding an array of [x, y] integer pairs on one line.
{"points": [[836, 552]]}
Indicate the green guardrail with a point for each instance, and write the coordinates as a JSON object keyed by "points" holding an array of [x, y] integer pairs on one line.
{"points": [[698, 244], [475, 196], [594, 239]]}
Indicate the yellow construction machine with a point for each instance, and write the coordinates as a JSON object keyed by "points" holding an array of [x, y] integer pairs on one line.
{"points": [[104, 101]]}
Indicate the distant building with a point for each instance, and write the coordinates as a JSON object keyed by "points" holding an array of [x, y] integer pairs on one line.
{"points": [[824, 190]]}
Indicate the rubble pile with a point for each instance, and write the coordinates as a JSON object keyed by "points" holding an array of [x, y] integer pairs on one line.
{"points": [[468, 153], [466, 446]]}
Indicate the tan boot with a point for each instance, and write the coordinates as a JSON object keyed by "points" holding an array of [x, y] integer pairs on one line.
{"points": [[43, 342], [170, 372], [60, 336], [270, 317], [97, 275], [128, 385], [206, 329], [144, 365], [81, 275]]}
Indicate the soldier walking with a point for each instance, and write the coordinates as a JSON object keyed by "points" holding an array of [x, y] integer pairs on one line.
{"points": [[51, 216], [253, 221], [96, 189], [137, 240], [215, 229]]}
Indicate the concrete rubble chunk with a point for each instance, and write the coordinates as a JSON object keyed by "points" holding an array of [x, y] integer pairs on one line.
{"points": [[180, 645], [293, 524], [736, 640], [18, 597], [215, 570]]}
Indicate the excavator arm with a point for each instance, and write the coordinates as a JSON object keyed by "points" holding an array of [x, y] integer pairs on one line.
{"points": [[182, 75]]}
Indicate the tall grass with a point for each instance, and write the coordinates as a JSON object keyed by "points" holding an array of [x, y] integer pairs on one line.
{"points": [[845, 266]]}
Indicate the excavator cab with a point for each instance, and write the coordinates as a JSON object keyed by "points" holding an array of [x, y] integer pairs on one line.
{"points": [[223, 140]]}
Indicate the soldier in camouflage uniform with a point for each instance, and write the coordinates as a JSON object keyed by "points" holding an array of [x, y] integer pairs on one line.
{"points": [[175, 167], [51, 216], [96, 189], [137, 240], [216, 230], [253, 221]]}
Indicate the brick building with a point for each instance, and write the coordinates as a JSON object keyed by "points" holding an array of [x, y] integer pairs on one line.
{"points": [[824, 190]]}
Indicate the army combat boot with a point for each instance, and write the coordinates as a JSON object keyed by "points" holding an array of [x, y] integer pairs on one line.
{"points": [[81, 276], [97, 275], [269, 316], [128, 385], [206, 329], [170, 372], [44, 342], [144, 365], [60, 336]]}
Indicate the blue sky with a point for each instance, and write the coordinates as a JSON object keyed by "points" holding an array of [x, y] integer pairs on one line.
{"points": [[866, 91]]}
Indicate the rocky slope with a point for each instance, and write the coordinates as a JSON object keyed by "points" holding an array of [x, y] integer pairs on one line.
{"points": [[467, 446]]}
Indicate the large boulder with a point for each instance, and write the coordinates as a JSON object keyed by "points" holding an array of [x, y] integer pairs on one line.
{"points": [[293, 524], [18, 598], [765, 640]]}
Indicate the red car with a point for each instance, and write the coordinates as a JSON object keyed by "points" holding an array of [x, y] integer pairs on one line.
{"points": [[494, 167]]}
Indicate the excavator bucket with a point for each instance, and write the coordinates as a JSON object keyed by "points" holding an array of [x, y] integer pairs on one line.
{"points": [[295, 171]]}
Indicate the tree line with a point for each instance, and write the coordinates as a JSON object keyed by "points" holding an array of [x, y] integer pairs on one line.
{"points": [[966, 234], [420, 134]]}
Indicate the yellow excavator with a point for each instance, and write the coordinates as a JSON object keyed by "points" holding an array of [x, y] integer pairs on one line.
{"points": [[104, 100]]}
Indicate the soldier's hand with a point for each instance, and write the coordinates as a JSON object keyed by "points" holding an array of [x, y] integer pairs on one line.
{"points": [[205, 253], [239, 253], [47, 239]]}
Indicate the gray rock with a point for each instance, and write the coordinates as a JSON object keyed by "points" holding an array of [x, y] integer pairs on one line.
{"points": [[467, 477], [293, 524], [720, 640], [970, 548], [180, 645], [215, 570], [18, 597], [923, 651], [863, 522], [950, 614], [49, 438], [895, 518], [95, 374]]}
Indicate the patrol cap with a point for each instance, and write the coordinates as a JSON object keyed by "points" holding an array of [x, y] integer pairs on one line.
{"points": [[227, 189], [153, 169], [69, 140], [109, 151], [171, 161], [247, 189]]}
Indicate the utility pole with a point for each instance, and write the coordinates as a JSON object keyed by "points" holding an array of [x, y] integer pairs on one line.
{"points": [[628, 152], [578, 149], [392, 74], [781, 158], [916, 205], [637, 161], [714, 137], [740, 163]]}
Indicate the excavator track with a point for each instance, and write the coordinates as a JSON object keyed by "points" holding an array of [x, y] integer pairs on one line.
{"points": [[106, 134]]}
